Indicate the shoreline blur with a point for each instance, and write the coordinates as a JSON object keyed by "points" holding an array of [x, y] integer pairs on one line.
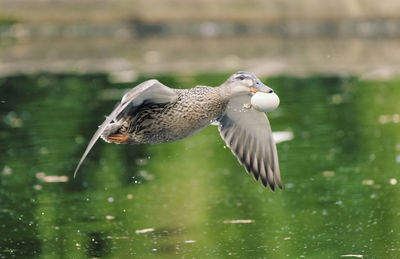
{"points": [[302, 38], [370, 58]]}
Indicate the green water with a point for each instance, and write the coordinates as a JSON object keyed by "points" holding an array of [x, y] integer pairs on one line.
{"points": [[340, 173]]}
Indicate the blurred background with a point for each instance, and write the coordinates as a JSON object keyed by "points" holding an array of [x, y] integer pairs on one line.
{"points": [[334, 64], [358, 37]]}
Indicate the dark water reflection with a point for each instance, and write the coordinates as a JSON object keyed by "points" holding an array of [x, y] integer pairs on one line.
{"points": [[340, 173]]}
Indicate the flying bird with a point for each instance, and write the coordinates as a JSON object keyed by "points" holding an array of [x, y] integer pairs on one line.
{"points": [[152, 113]]}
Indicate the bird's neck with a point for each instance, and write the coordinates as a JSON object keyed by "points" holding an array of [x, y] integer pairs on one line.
{"points": [[227, 91]]}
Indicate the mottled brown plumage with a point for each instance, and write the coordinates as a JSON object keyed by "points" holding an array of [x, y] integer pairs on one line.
{"points": [[153, 113], [151, 123]]}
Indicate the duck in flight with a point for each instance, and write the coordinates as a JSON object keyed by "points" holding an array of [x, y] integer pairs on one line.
{"points": [[152, 113]]}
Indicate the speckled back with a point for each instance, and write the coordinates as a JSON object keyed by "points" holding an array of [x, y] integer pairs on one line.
{"points": [[193, 110]]}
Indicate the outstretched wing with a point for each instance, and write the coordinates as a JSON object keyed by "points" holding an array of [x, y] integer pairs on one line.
{"points": [[149, 91], [248, 134]]}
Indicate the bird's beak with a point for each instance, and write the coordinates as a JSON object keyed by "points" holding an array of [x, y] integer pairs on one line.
{"points": [[258, 86]]}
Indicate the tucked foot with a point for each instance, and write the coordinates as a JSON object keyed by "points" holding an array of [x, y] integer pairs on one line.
{"points": [[118, 138]]}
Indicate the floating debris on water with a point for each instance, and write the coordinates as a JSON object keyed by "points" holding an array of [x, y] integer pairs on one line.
{"points": [[287, 238], [12, 120], [52, 178], [189, 241], [282, 136], [289, 185], [40, 175], [117, 237], [6, 170], [146, 175], [109, 217], [389, 118], [328, 173], [37, 187], [368, 182], [55, 179], [142, 231], [129, 196], [396, 118], [239, 221], [352, 255]]}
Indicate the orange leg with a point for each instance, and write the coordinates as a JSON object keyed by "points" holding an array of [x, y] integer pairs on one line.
{"points": [[118, 138]]}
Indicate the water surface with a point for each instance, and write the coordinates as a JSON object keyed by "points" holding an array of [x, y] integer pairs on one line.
{"points": [[191, 198]]}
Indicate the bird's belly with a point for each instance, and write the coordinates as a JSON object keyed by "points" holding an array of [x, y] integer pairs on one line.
{"points": [[161, 133]]}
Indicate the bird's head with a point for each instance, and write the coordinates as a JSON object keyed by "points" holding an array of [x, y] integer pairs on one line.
{"points": [[243, 82]]}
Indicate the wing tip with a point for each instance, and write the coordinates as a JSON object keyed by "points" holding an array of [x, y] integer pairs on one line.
{"points": [[275, 184], [77, 168], [76, 172]]}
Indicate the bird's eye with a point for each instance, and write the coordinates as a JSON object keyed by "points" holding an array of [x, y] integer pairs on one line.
{"points": [[241, 77]]}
